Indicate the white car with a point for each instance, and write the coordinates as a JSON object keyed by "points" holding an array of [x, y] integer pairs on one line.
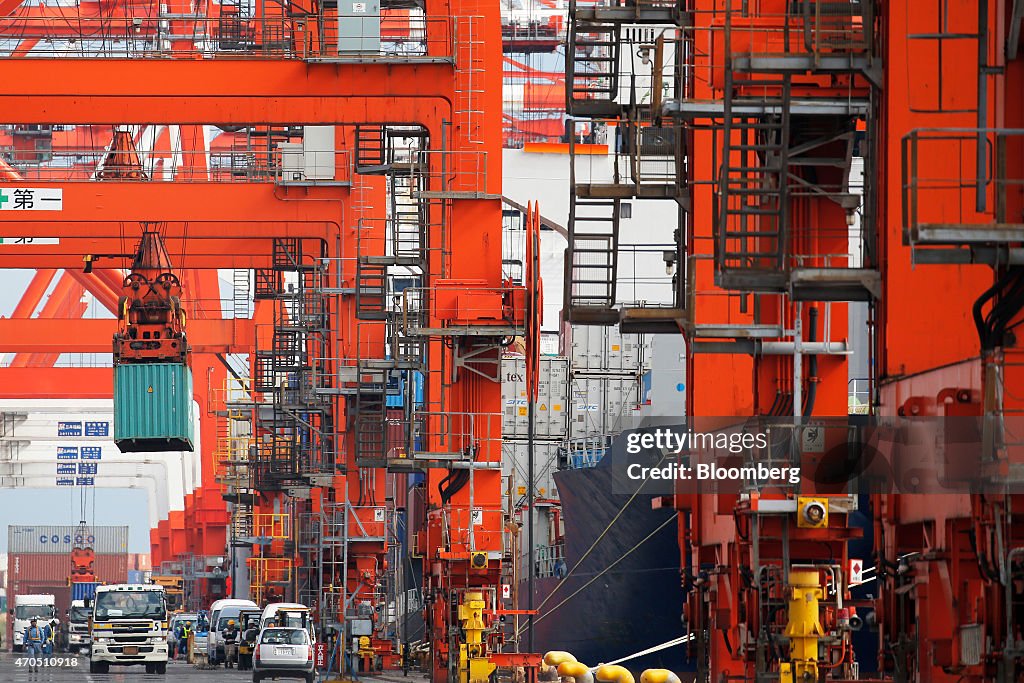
{"points": [[283, 652]]}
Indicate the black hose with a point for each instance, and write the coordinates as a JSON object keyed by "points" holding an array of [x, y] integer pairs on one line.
{"points": [[458, 479], [812, 364], [1007, 297]]}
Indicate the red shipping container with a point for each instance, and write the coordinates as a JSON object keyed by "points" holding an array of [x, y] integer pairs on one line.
{"points": [[48, 573]]}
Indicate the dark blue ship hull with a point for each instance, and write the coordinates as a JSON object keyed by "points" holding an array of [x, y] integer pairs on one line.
{"points": [[634, 605]]}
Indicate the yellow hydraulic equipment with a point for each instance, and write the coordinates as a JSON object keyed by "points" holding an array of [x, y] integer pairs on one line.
{"points": [[804, 628], [474, 667]]}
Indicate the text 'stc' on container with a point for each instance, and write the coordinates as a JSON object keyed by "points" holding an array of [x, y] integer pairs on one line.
{"points": [[153, 407]]}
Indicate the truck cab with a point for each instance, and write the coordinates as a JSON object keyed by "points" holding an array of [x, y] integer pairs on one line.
{"points": [[28, 607], [129, 626], [79, 637]]}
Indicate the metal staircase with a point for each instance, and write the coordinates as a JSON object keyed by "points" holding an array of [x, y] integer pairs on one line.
{"points": [[592, 260], [592, 77], [752, 242]]}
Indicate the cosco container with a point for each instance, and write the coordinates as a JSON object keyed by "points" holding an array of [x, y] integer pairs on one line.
{"points": [[603, 405], [153, 407], [61, 539], [515, 467], [598, 349], [550, 414]]}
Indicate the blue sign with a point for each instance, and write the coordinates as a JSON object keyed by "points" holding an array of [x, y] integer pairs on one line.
{"points": [[67, 452], [97, 429], [87, 467], [65, 481], [69, 429], [92, 452], [68, 468], [85, 481]]}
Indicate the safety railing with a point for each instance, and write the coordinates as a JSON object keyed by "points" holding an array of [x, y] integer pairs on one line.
{"points": [[268, 578], [272, 525], [453, 436], [289, 163], [584, 452], [962, 180], [463, 308], [815, 28], [390, 35], [549, 561], [450, 174], [396, 241]]}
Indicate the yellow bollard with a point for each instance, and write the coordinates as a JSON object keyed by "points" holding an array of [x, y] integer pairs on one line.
{"points": [[575, 672], [613, 673], [658, 676]]}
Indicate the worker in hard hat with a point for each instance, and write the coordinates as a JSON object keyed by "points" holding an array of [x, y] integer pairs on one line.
{"points": [[33, 644], [230, 635]]}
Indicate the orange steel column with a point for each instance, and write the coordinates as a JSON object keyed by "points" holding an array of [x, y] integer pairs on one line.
{"points": [[952, 99], [724, 611]]}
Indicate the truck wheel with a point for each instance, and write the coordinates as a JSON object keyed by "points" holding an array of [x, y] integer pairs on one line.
{"points": [[161, 668], [151, 668], [18, 648], [99, 667], [256, 678]]}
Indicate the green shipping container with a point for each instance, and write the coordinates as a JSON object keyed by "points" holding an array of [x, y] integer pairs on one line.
{"points": [[153, 407]]}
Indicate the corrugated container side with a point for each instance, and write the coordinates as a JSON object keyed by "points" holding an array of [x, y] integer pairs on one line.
{"points": [[48, 568], [82, 591], [153, 407], [602, 405], [552, 407], [514, 461], [598, 349], [134, 576], [61, 539]]}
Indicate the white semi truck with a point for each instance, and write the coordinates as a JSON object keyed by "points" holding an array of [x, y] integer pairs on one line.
{"points": [[42, 608], [129, 626]]}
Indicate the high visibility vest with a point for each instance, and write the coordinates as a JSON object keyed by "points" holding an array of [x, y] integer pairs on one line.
{"points": [[35, 634]]}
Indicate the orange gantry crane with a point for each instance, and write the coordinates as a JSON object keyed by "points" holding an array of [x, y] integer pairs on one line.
{"points": [[368, 259]]}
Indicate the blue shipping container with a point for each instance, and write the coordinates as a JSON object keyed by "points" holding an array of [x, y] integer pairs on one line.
{"points": [[83, 591], [153, 407], [135, 576]]}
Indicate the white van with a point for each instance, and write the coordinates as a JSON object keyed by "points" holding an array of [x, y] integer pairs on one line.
{"points": [[27, 607], [222, 611], [288, 615]]}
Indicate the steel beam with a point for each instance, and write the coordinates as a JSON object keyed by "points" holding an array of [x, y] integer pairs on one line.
{"points": [[210, 208], [253, 91], [94, 335]]}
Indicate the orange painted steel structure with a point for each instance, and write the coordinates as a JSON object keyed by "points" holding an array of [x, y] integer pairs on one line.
{"points": [[724, 537], [951, 171], [455, 97], [931, 94]]}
